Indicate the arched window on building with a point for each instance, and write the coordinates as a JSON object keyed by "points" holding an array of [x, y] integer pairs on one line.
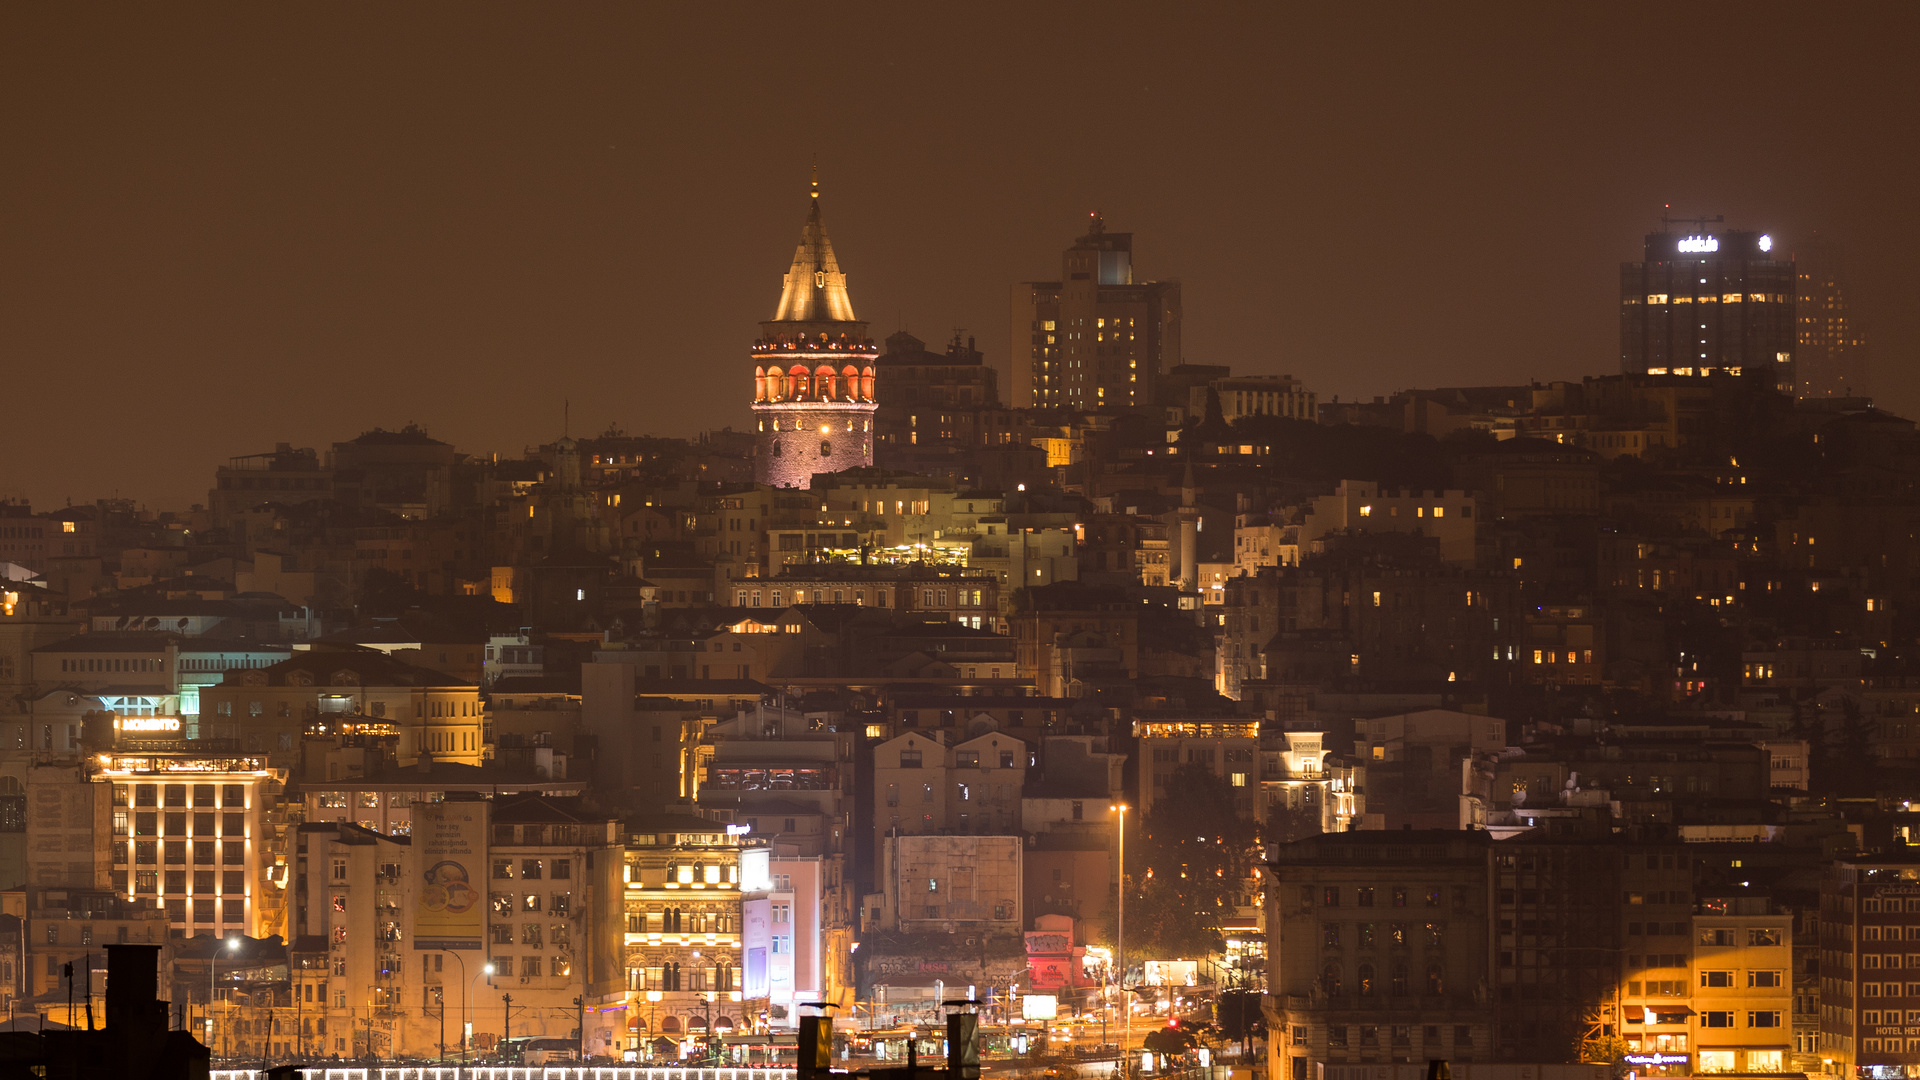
{"points": [[1330, 978]]}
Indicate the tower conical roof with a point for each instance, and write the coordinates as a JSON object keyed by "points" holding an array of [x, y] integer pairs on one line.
{"points": [[814, 290]]}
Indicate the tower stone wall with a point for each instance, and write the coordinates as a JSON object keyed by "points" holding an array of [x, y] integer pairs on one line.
{"points": [[800, 438]]}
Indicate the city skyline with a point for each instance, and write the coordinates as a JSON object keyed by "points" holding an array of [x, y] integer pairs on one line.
{"points": [[438, 209]]}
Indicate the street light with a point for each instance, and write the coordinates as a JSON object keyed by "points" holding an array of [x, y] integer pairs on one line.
{"points": [[464, 1022], [1119, 811], [653, 1018], [213, 966]]}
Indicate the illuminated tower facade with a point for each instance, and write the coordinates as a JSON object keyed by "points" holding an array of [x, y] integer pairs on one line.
{"points": [[1705, 302], [813, 371]]}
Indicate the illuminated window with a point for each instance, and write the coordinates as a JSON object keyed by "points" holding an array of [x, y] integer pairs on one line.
{"points": [[1366, 511]]}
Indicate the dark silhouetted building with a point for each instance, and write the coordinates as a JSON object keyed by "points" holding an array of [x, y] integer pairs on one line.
{"points": [[1832, 359], [1707, 302], [1095, 337], [948, 398]]}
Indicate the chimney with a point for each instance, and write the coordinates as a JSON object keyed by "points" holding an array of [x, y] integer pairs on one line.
{"points": [[133, 988]]}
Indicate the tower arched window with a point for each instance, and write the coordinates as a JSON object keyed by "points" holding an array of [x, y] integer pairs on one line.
{"points": [[776, 448], [826, 449]]}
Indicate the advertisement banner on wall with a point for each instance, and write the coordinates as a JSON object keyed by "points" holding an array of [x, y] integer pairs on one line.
{"points": [[450, 909]]}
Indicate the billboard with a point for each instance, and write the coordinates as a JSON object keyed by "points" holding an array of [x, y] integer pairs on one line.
{"points": [[450, 847], [1039, 1007]]}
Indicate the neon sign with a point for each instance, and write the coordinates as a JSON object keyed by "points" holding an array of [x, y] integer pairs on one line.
{"points": [[1699, 243], [147, 723], [1655, 1060]]}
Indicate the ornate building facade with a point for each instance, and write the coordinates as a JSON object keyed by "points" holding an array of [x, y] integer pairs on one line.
{"points": [[813, 373]]}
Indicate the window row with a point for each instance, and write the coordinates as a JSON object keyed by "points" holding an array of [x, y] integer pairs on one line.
{"points": [[232, 796], [1399, 896], [745, 598], [232, 910], [1761, 1018], [532, 869], [174, 823], [150, 882], [524, 966], [675, 920], [530, 933], [66, 933], [1892, 989], [504, 905], [1889, 960], [1400, 980], [115, 664], [1340, 1036], [675, 975], [147, 852], [691, 873], [365, 800], [1399, 935]]}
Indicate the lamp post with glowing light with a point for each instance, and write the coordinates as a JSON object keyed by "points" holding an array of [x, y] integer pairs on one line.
{"points": [[653, 1019], [213, 967], [488, 971], [1120, 933], [465, 985]]}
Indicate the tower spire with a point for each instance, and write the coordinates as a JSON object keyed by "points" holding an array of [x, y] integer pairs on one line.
{"points": [[814, 289]]}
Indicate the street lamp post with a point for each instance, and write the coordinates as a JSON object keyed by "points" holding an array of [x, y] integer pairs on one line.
{"points": [[213, 967], [464, 985], [1120, 934], [707, 1001], [653, 1018], [488, 972]]}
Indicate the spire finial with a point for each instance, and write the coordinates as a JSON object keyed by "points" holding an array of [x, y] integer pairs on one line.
{"points": [[816, 176]]}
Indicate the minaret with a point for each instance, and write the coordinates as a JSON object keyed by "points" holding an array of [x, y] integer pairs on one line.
{"points": [[813, 371], [1188, 578]]}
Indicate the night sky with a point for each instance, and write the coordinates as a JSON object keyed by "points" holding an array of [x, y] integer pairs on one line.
{"points": [[223, 227]]}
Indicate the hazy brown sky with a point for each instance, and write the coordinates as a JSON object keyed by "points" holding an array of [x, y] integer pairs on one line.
{"points": [[227, 226]]}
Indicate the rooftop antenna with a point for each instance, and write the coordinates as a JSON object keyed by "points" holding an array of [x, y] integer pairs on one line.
{"points": [[566, 417], [1701, 222]]}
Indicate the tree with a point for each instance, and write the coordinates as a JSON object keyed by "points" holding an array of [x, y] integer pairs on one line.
{"points": [[1238, 1014], [1810, 727], [1857, 764], [1170, 1040], [1188, 868]]}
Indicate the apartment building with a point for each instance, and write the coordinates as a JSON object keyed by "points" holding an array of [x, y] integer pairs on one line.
{"points": [[683, 930]]}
